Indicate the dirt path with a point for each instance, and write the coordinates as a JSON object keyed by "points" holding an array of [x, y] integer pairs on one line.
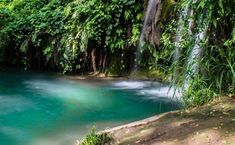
{"points": [[212, 124]]}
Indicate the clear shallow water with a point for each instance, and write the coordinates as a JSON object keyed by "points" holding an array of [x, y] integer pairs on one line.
{"points": [[42, 109]]}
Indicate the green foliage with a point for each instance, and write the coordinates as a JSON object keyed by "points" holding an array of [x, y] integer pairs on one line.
{"points": [[104, 23], [58, 34], [216, 71], [198, 92], [151, 73], [95, 139]]}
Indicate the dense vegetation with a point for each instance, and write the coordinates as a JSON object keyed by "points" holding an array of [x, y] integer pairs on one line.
{"points": [[102, 36], [95, 138], [215, 67], [68, 35]]}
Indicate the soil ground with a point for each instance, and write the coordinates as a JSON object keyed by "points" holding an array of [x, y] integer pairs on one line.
{"points": [[211, 124]]}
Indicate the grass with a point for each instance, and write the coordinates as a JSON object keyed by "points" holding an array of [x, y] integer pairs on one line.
{"points": [[95, 138]]}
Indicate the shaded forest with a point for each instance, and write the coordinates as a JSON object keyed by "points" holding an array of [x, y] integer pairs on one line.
{"points": [[79, 36]]}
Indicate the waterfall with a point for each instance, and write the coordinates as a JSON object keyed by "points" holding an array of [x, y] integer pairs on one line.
{"points": [[184, 16], [149, 28], [195, 56], [186, 21], [197, 49]]}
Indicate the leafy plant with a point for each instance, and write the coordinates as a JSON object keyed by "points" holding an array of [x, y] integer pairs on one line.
{"points": [[95, 139]]}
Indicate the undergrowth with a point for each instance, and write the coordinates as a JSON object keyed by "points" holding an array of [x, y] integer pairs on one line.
{"points": [[95, 138]]}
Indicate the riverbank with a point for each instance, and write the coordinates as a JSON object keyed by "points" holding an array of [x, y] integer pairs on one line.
{"points": [[213, 123], [150, 75]]}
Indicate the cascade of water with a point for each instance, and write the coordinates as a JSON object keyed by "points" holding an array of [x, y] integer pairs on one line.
{"points": [[185, 20], [148, 28], [195, 56], [185, 15]]}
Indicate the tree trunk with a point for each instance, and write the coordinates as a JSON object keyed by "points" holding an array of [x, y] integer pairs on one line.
{"points": [[93, 59], [101, 59], [104, 61]]}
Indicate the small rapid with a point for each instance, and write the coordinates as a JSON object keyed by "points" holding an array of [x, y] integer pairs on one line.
{"points": [[150, 89]]}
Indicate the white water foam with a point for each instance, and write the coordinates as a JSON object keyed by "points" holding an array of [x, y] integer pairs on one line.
{"points": [[131, 84], [151, 90], [164, 92]]}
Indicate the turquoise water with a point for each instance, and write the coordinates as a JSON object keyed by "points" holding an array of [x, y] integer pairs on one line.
{"points": [[43, 109]]}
